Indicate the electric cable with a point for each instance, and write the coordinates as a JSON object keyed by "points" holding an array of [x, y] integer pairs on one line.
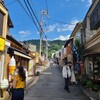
{"points": [[35, 16], [31, 15]]}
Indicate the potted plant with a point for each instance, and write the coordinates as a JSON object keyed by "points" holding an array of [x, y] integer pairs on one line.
{"points": [[89, 84]]}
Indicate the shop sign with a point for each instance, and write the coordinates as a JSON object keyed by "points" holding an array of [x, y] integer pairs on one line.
{"points": [[2, 44]]}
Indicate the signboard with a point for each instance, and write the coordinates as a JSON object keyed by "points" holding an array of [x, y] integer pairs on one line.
{"points": [[2, 44]]}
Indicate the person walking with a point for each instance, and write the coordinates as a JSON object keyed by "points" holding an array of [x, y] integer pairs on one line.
{"points": [[19, 83], [66, 74]]}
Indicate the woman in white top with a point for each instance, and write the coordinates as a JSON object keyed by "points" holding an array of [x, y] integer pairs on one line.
{"points": [[66, 74]]}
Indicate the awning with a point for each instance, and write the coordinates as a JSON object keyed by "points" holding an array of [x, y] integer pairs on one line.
{"points": [[92, 53], [68, 41], [22, 55], [7, 43]]}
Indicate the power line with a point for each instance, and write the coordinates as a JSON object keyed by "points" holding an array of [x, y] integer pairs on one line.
{"points": [[24, 9], [30, 14], [35, 17], [34, 8], [39, 23], [33, 13]]}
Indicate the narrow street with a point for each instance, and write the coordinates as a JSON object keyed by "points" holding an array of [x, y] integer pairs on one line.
{"points": [[50, 86]]}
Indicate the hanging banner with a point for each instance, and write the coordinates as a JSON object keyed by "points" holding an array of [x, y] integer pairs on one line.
{"points": [[2, 44], [75, 52]]}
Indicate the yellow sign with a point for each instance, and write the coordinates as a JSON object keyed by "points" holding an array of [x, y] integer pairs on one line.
{"points": [[2, 44], [37, 54]]}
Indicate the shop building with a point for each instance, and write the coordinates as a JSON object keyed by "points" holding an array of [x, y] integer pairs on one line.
{"points": [[20, 52], [77, 47], [91, 40], [5, 24]]}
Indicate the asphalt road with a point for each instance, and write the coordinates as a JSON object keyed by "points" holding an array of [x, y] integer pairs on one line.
{"points": [[50, 86]]}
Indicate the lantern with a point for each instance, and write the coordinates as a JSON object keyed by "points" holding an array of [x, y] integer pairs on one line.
{"points": [[12, 65]]}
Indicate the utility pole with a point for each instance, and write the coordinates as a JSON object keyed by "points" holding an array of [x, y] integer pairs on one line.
{"points": [[46, 49], [43, 12], [41, 35]]}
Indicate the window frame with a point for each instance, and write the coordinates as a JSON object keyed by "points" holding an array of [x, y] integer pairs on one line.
{"points": [[1, 31]]}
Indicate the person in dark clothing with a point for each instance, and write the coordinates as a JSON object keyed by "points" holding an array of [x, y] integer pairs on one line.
{"points": [[66, 74]]}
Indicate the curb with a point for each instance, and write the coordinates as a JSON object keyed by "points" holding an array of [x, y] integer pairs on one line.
{"points": [[88, 97]]}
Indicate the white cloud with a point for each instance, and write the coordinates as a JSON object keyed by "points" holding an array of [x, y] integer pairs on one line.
{"points": [[52, 28], [24, 32], [68, 27], [61, 37], [71, 26], [89, 2], [60, 28], [38, 32]]}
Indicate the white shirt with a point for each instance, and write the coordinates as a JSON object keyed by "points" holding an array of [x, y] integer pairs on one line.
{"points": [[66, 71]]}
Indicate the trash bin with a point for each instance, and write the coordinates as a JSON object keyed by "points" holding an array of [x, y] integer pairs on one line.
{"points": [[37, 73]]}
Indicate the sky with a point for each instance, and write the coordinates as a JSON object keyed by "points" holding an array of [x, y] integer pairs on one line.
{"points": [[57, 24]]}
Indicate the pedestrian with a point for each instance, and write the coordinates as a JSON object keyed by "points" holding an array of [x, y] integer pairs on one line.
{"points": [[66, 74], [19, 83], [73, 79]]}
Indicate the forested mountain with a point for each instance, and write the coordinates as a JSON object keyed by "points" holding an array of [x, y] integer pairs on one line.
{"points": [[54, 45]]}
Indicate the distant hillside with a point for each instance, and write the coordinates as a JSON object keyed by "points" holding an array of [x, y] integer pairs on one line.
{"points": [[55, 45]]}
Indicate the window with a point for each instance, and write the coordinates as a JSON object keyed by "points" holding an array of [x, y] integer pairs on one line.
{"points": [[95, 18], [1, 22]]}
